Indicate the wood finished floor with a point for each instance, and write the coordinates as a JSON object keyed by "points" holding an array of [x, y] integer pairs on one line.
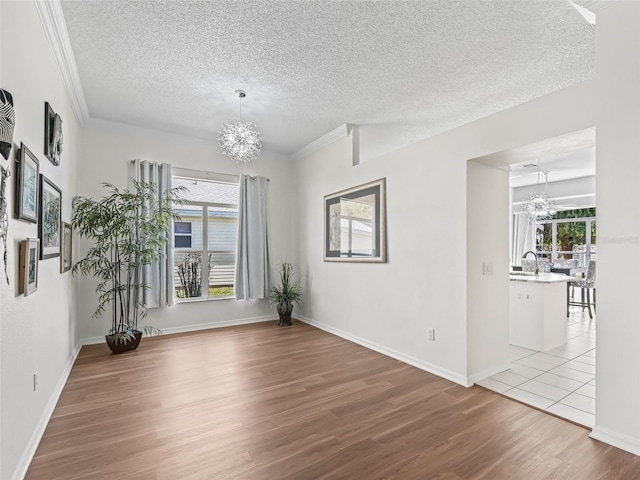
{"points": [[262, 402]]}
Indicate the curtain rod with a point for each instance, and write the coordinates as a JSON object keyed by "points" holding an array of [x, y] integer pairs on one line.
{"points": [[182, 172]]}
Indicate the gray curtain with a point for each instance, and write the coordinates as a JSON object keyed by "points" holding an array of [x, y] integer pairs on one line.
{"points": [[252, 259], [524, 236], [158, 276]]}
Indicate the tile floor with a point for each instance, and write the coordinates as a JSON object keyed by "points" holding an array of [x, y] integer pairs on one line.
{"points": [[561, 381]]}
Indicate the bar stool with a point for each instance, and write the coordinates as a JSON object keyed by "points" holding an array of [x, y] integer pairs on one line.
{"points": [[586, 285]]}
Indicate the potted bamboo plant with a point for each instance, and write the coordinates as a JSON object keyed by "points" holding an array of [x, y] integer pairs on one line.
{"points": [[125, 238], [284, 295]]}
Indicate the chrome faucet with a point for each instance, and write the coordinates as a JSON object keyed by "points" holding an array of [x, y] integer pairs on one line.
{"points": [[535, 257]]}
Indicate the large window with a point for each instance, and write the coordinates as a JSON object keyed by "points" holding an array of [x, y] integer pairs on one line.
{"points": [[570, 235], [205, 239]]}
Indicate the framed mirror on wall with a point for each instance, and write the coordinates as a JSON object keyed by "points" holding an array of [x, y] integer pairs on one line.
{"points": [[355, 224]]}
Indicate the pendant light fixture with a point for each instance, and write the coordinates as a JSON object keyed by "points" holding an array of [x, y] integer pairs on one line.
{"points": [[539, 204], [239, 140]]}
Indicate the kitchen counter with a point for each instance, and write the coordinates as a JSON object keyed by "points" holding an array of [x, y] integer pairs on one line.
{"points": [[542, 278], [537, 310]]}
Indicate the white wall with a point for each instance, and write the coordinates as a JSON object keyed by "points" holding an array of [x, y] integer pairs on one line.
{"points": [[390, 306], [106, 151], [487, 271], [618, 173], [38, 332]]}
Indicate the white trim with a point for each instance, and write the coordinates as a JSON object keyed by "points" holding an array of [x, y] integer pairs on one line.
{"points": [[618, 440], [195, 327], [488, 372], [32, 445], [328, 138], [354, 134], [415, 362], [55, 29], [595, 5]]}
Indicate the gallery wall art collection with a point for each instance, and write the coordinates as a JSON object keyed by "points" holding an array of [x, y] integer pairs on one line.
{"points": [[37, 199]]}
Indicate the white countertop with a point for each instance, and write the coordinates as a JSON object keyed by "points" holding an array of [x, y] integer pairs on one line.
{"points": [[543, 278]]}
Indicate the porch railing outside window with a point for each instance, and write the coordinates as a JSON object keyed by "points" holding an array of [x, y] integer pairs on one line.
{"points": [[561, 240]]}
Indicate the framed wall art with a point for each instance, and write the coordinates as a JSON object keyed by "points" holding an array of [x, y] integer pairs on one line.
{"points": [[53, 138], [27, 186], [66, 257], [49, 221], [355, 224], [28, 275]]}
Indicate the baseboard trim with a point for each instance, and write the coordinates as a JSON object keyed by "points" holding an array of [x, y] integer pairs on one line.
{"points": [[488, 372], [210, 325], [195, 327], [441, 372], [36, 436], [618, 440]]}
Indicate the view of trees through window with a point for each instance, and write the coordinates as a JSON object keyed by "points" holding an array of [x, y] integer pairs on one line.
{"points": [[569, 235]]}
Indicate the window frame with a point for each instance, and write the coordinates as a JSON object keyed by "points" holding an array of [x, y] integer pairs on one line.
{"points": [[182, 234], [210, 177], [590, 251]]}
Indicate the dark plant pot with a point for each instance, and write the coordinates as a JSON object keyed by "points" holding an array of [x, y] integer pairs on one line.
{"points": [[119, 346], [285, 316]]}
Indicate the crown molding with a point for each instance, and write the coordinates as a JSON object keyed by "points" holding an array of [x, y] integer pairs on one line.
{"points": [[328, 138], [595, 5], [55, 28]]}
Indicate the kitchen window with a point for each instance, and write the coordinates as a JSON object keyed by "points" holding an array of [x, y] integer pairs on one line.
{"points": [[570, 236]]}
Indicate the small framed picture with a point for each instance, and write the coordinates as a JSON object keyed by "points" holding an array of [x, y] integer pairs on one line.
{"points": [[27, 186], [52, 134], [49, 219], [66, 257], [28, 276]]}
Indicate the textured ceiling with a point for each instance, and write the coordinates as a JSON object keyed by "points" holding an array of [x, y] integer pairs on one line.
{"points": [[567, 156], [403, 70]]}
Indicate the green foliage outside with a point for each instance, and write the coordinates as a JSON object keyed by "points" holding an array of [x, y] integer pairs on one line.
{"points": [[213, 292], [220, 291], [577, 230]]}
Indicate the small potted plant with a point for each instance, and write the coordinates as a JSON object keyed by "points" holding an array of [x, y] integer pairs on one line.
{"points": [[125, 238], [284, 295]]}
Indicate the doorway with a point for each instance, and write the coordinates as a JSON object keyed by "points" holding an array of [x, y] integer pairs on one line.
{"points": [[560, 380]]}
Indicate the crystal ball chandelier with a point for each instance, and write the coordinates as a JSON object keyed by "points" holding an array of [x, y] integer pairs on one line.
{"points": [[539, 204], [240, 140]]}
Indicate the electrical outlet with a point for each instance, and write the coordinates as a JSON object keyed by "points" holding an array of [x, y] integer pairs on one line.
{"points": [[487, 268], [431, 334], [35, 381]]}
